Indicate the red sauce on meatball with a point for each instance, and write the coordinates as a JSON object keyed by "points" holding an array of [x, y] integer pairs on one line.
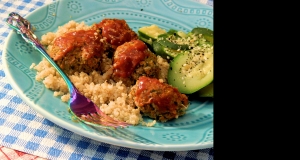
{"points": [[128, 56], [164, 96], [87, 40], [116, 31]]}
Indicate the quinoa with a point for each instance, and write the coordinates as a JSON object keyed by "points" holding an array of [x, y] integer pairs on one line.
{"points": [[113, 98]]}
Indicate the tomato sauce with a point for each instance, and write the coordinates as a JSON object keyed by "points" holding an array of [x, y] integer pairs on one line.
{"points": [[87, 40], [166, 97], [116, 31], [128, 56]]}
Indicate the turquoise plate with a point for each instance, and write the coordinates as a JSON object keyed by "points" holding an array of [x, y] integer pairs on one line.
{"points": [[189, 132]]}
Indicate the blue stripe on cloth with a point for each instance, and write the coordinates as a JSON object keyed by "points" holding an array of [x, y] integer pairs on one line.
{"points": [[10, 139], [8, 4], [20, 127], [62, 139], [2, 95], [32, 145], [39, 3], [27, 1], [211, 154], [17, 100], [2, 74], [28, 116], [75, 156], [144, 155], [20, 7], [40, 133], [5, 34], [123, 152], [2, 121], [47, 122], [103, 149], [7, 86], [54, 152], [8, 110]]}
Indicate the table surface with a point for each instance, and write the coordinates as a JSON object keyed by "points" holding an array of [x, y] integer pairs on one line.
{"points": [[20, 142]]}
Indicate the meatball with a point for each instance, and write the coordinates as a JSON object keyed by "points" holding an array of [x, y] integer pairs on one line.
{"points": [[79, 50], [132, 60], [116, 32], [158, 100]]}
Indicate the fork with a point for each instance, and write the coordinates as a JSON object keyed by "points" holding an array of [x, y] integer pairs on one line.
{"points": [[80, 106]]}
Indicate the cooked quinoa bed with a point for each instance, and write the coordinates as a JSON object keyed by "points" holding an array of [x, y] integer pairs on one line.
{"points": [[113, 98]]}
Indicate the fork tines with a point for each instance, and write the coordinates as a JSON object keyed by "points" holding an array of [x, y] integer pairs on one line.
{"points": [[102, 119]]}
